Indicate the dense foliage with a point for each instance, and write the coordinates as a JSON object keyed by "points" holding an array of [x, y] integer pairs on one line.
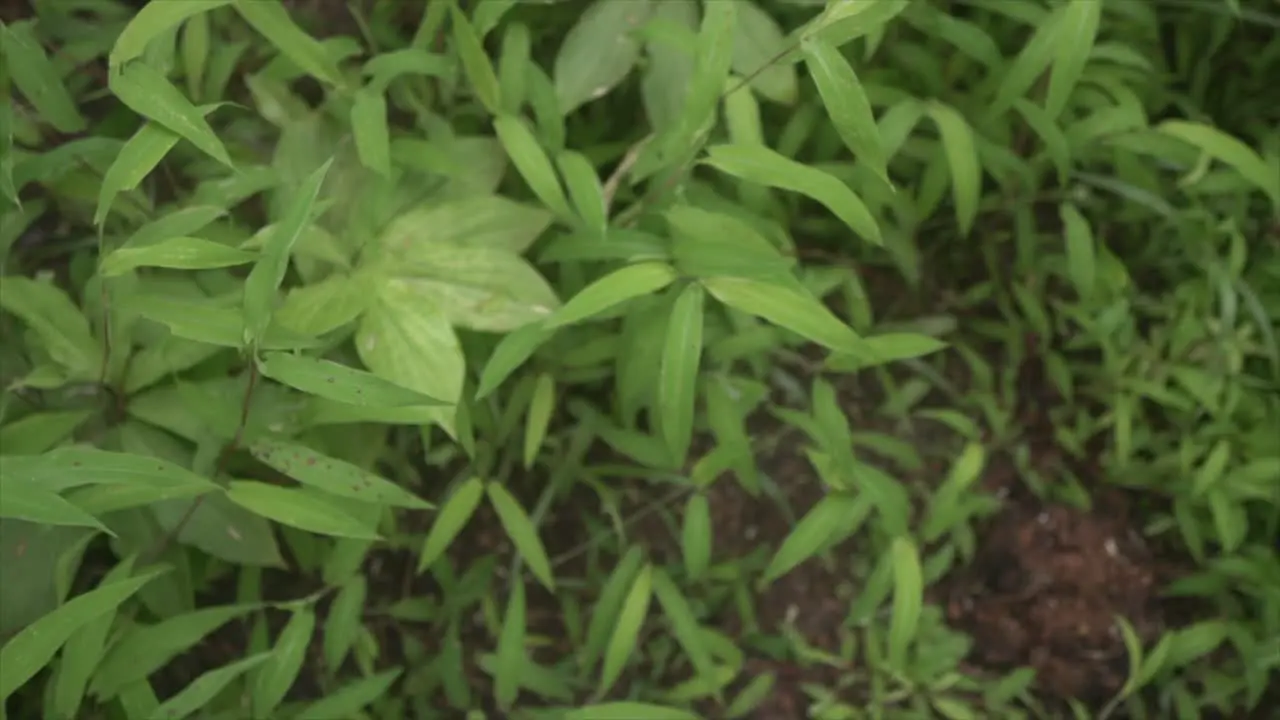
{"points": [[639, 359]]}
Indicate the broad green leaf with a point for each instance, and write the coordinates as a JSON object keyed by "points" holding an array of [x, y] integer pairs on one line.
{"points": [[194, 47], [222, 529], [179, 253], [1081, 253], [299, 509], [335, 381], [369, 125], [846, 104], [585, 189], [759, 164], [613, 289], [846, 20], [153, 20], [40, 431], [628, 710], [1074, 40], [512, 351], [31, 649], [408, 340], [145, 90], [541, 406], [383, 68], [706, 244], [205, 688], [351, 698], [669, 62], [179, 223], [333, 476], [684, 625], [71, 467], [272, 20], [83, 651], [834, 515], [30, 502], [713, 58], [798, 312], [523, 533], [484, 81], [275, 676], [344, 621], [214, 323], [598, 52], [758, 43], [908, 598], [1017, 78], [490, 222], [37, 78], [478, 288], [453, 516], [1226, 149], [260, 288], [148, 648], [62, 328], [962, 157], [320, 308], [884, 349], [532, 163], [696, 536], [511, 650], [137, 158], [626, 630], [678, 375]]}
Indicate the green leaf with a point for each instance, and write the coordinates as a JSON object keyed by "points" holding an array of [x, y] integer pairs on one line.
{"points": [[523, 534], [706, 244], [598, 52], [796, 311], [382, 69], [713, 58], [40, 431], [605, 612], [222, 529], [684, 625], [350, 699], [179, 253], [138, 157], [541, 406], [842, 22], [628, 710], [83, 651], [30, 502], [145, 90], [320, 308], [669, 62], [260, 288], [846, 104], [59, 324], [272, 20], [484, 81], [299, 509], [834, 515], [279, 673], [333, 476], [1074, 43], [532, 162], [478, 288], [1227, 149], [1081, 253], [962, 157], [152, 21], [37, 79], [179, 223], [369, 125], [512, 352], [335, 381], [585, 189], [696, 536], [678, 374], [884, 349], [908, 598], [490, 222], [146, 649], [511, 650], [344, 620], [211, 322], [626, 631], [454, 514], [759, 164], [205, 688], [34, 647], [613, 289], [408, 340], [758, 42], [71, 467]]}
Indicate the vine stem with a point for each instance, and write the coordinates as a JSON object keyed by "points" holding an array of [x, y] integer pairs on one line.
{"points": [[223, 459]]}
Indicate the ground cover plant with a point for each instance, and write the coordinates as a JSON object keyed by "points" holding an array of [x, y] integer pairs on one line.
{"points": [[639, 359]]}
